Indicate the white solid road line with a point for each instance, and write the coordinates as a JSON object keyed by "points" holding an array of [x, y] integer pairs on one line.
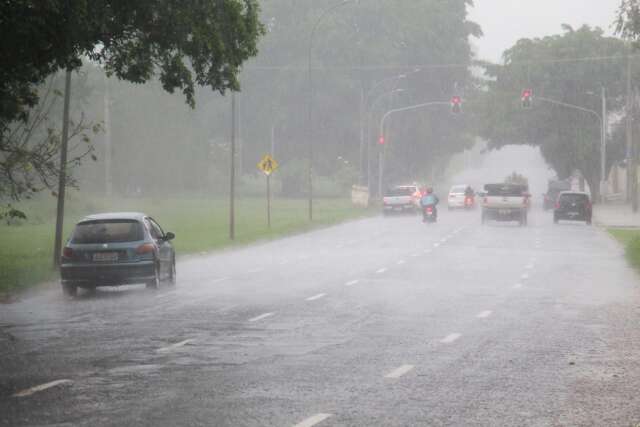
{"points": [[41, 387], [311, 421], [398, 372], [450, 338], [484, 314], [315, 297], [174, 346], [517, 286], [351, 282], [262, 316], [382, 270], [166, 294]]}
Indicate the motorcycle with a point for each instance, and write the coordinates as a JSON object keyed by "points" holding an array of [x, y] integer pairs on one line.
{"points": [[469, 202], [430, 214]]}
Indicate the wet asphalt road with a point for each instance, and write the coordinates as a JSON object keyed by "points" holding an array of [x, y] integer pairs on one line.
{"points": [[378, 322]]}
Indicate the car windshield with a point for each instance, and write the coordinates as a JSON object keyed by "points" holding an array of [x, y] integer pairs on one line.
{"points": [[401, 191], [573, 198], [108, 231], [504, 190]]}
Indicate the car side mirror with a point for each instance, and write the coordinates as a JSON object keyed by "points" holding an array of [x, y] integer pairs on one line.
{"points": [[169, 236]]}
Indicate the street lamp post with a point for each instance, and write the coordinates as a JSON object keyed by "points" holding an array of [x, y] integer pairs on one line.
{"points": [[370, 111], [310, 102], [382, 148], [603, 133]]}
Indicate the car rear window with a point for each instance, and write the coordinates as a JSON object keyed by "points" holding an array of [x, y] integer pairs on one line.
{"points": [[505, 190], [401, 191], [108, 231], [458, 189], [573, 198]]}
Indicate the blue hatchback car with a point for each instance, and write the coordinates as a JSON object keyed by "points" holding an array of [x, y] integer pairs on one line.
{"points": [[112, 249]]}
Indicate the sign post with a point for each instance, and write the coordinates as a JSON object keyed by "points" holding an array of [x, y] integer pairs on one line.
{"points": [[268, 165]]}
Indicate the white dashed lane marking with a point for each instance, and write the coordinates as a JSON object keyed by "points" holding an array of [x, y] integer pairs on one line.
{"points": [[174, 346], [450, 338], [262, 316], [382, 270], [435, 245], [166, 294], [525, 276], [42, 387], [351, 282], [484, 314], [312, 421], [400, 262], [315, 297], [398, 372], [517, 286]]}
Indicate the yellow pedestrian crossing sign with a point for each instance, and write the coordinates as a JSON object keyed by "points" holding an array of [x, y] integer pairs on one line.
{"points": [[268, 164]]}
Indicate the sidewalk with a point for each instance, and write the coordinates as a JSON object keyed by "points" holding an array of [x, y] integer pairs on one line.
{"points": [[615, 215]]}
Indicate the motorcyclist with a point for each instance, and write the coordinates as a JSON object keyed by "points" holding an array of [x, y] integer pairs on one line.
{"points": [[468, 192], [429, 199]]}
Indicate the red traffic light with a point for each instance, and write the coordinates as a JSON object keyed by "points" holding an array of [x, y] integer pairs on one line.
{"points": [[381, 140], [456, 104], [526, 94]]}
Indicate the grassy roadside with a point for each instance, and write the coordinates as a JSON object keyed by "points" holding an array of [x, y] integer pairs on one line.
{"points": [[630, 239], [199, 224]]}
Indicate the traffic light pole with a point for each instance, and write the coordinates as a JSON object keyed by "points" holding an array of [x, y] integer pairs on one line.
{"points": [[382, 120], [603, 133]]}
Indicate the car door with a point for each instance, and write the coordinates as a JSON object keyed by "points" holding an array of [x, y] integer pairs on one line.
{"points": [[165, 249]]}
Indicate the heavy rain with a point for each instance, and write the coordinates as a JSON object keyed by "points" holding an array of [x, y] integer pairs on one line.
{"points": [[319, 212]]}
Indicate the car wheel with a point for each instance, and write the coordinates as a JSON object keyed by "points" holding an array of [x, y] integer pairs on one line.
{"points": [[70, 289], [155, 282], [588, 221], [555, 219], [172, 273]]}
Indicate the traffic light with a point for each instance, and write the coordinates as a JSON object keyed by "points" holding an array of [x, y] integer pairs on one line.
{"points": [[526, 98], [381, 140], [456, 105]]}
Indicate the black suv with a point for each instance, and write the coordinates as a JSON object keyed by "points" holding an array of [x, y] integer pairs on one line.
{"points": [[573, 206]]}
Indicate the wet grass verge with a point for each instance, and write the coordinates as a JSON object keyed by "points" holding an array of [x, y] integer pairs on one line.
{"points": [[200, 225], [630, 239]]}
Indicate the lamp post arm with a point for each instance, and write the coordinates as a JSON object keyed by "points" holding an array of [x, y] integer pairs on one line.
{"points": [[411, 107]]}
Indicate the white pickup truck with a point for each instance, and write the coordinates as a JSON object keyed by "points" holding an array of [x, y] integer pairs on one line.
{"points": [[403, 198], [505, 202]]}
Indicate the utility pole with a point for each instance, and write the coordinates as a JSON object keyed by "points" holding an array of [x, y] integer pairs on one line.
{"points": [[62, 178], [632, 193], [232, 173], [108, 175], [603, 148]]}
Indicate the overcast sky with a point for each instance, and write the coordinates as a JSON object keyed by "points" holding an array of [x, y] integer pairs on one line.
{"points": [[506, 21]]}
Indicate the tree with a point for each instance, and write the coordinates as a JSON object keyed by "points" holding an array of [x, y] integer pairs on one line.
{"points": [[569, 139], [628, 20], [185, 43]]}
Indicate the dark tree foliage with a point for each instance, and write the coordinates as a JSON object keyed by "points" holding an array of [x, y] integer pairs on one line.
{"points": [[182, 42]]}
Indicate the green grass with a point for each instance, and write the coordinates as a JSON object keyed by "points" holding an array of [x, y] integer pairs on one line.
{"points": [[199, 224], [630, 238]]}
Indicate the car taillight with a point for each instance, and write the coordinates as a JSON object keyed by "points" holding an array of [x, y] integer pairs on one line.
{"points": [[589, 206], [67, 252], [145, 249], [557, 205], [486, 200]]}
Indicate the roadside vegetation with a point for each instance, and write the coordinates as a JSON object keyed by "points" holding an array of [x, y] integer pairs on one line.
{"points": [[630, 238], [200, 225]]}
